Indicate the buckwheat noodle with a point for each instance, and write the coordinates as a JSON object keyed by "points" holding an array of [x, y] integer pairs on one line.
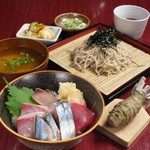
{"points": [[113, 62]]}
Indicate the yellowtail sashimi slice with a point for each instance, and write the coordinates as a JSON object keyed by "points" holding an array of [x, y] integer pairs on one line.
{"points": [[25, 123]]}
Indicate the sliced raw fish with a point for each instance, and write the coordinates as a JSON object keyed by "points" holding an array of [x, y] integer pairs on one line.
{"points": [[44, 97], [25, 124], [56, 135], [82, 116], [29, 108], [42, 130], [66, 122]]}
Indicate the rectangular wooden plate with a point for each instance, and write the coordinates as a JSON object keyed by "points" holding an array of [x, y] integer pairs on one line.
{"points": [[127, 134], [60, 54]]}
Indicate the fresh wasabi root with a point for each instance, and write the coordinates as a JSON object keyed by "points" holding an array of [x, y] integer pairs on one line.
{"points": [[126, 110]]}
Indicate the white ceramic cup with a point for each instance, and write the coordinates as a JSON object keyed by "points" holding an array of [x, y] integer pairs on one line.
{"points": [[131, 20]]}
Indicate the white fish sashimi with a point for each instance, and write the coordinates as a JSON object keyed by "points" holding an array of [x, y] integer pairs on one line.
{"points": [[66, 122], [44, 97]]}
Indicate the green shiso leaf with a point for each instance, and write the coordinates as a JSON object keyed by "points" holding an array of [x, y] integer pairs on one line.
{"points": [[16, 97]]}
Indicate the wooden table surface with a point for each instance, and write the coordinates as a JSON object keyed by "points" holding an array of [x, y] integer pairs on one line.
{"points": [[14, 13]]}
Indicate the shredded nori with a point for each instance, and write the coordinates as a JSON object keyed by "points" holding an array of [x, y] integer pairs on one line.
{"points": [[104, 39]]}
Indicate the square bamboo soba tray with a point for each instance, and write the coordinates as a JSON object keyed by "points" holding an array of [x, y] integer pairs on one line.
{"points": [[108, 85]]}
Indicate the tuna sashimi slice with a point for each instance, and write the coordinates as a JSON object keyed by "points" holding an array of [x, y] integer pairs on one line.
{"points": [[25, 124], [29, 108], [82, 116]]}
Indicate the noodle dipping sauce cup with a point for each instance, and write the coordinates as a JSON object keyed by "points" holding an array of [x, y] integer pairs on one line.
{"points": [[131, 20]]}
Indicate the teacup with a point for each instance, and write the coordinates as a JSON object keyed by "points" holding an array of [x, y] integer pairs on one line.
{"points": [[131, 20]]}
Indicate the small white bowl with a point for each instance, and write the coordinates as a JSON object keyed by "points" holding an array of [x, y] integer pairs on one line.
{"points": [[131, 20], [56, 31]]}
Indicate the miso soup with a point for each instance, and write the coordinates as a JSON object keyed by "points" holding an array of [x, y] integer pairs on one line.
{"points": [[20, 59]]}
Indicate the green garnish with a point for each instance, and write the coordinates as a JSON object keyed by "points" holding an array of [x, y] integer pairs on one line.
{"points": [[15, 62], [74, 23], [104, 39], [16, 97]]}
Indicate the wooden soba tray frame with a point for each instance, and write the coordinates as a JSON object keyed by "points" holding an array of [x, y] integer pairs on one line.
{"points": [[110, 86]]}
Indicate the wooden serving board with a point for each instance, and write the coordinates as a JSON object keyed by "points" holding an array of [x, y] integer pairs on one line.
{"points": [[106, 84], [127, 134]]}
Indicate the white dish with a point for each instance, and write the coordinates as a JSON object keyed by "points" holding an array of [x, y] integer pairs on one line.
{"points": [[56, 31]]}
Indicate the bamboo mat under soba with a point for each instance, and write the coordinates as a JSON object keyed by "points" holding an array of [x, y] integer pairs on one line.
{"points": [[106, 84]]}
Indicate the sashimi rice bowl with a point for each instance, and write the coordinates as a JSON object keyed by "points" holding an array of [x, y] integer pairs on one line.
{"points": [[50, 109]]}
